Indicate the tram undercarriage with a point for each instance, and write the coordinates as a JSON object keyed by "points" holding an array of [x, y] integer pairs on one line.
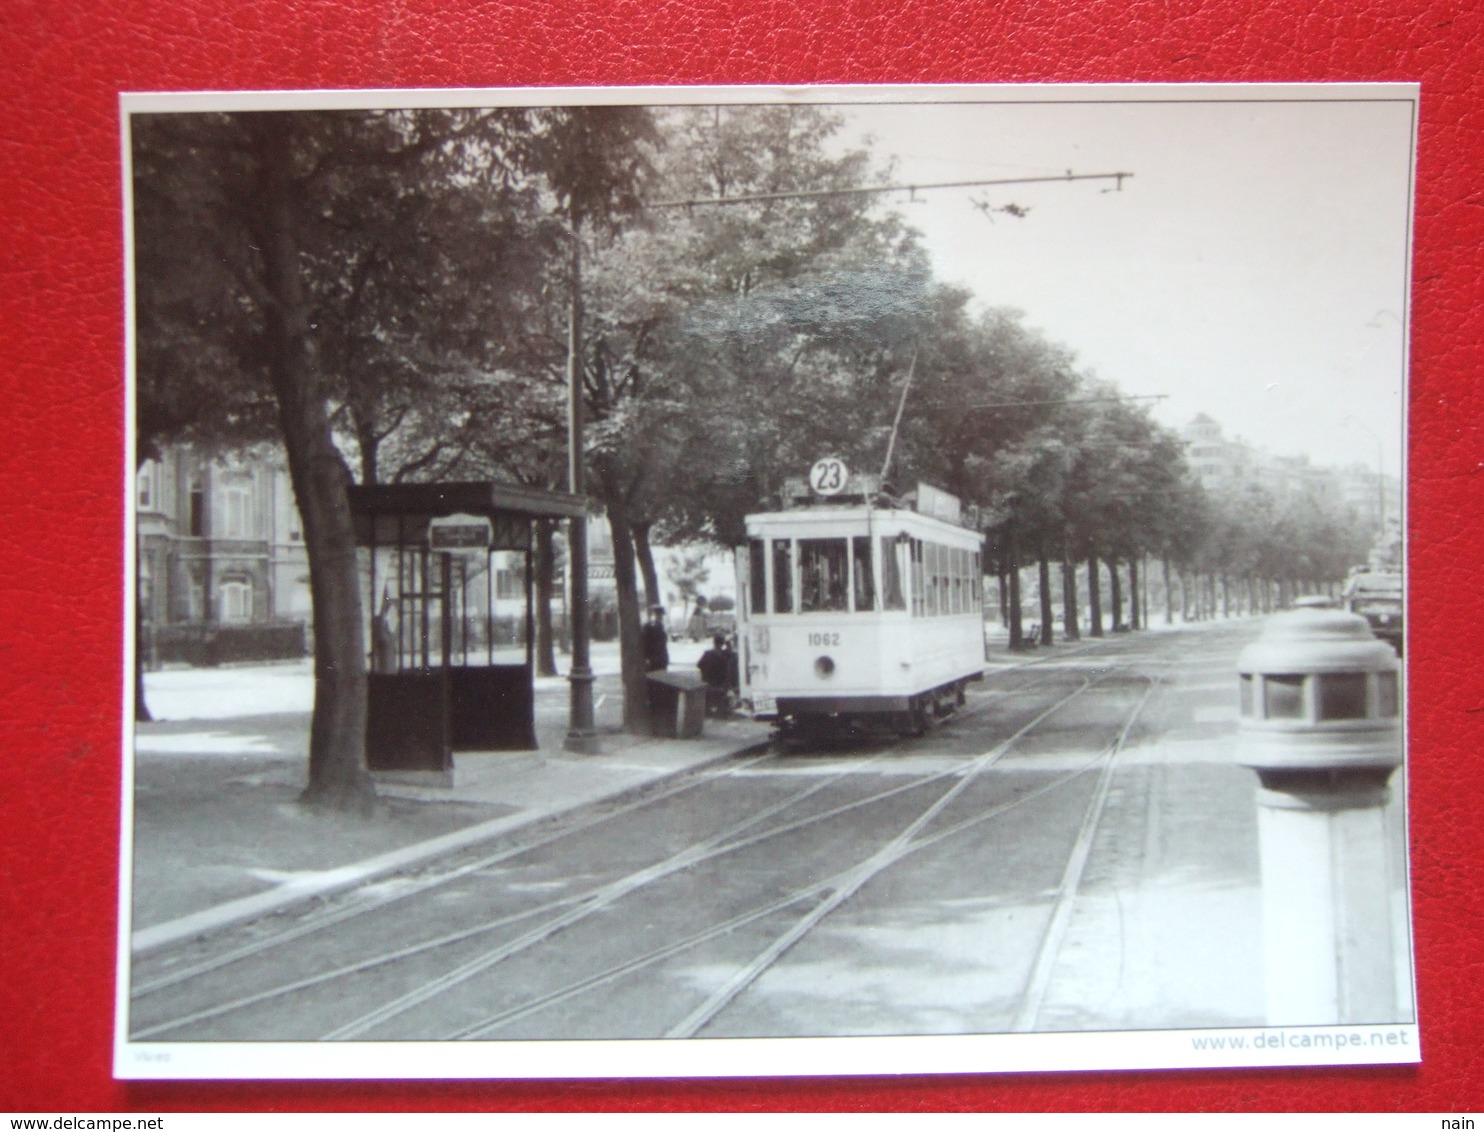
{"points": [[827, 718]]}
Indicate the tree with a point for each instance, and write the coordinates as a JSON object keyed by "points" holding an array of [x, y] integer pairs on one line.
{"points": [[284, 246], [716, 340]]}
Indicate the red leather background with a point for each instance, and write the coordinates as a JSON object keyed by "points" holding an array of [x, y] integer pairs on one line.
{"points": [[61, 364]]}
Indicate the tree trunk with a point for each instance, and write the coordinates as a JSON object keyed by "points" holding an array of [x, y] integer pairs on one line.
{"points": [[1115, 595], [1135, 610], [1017, 633], [1043, 585], [545, 556], [652, 595], [1069, 593], [631, 655], [337, 732], [1004, 595], [1164, 565], [1094, 597]]}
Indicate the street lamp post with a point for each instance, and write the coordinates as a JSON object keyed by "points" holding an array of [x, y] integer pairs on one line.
{"points": [[582, 735]]}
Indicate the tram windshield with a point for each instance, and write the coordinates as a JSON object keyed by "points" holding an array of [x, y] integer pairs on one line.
{"points": [[822, 577], [865, 580], [842, 575]]}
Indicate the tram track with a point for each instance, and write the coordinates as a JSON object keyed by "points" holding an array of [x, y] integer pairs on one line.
{"points": [[729, 841], [560, 914], [829, 894], [333, 913]]}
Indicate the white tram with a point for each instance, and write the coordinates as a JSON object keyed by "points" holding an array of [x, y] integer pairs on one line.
{"points": [[853, 614]]}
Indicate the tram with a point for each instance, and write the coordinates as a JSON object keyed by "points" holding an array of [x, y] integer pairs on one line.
{"points": [[857, 611]]}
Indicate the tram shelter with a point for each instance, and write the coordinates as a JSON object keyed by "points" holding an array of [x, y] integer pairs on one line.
{"points": [[450, 618]]}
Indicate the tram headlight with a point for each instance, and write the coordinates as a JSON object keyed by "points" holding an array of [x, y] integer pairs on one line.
{"points": [[824, 667]]}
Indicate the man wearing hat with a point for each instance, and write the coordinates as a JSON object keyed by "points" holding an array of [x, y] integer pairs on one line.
{"points": [[655, 641]]}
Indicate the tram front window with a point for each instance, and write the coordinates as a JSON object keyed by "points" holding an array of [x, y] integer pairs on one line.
{"points": [[822, 576], [783, 576], [758, 576], [865, 578]]}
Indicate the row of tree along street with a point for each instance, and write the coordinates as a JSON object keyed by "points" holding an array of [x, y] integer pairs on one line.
{"points": [[392, 296]]}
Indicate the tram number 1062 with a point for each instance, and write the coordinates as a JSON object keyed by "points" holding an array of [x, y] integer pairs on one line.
{"points": [[831, 640]]}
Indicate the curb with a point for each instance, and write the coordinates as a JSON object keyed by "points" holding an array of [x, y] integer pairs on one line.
{"points": [[336, 880]]}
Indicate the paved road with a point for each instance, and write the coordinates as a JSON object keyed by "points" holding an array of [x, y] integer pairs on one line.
{"points": [[1075, 851]]}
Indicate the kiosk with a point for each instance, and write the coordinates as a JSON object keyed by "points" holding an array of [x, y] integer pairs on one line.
{"points": [[448, 569]]}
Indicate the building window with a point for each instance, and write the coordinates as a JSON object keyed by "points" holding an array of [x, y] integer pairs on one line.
{"points": [[235, 600], [146, 486], [509, 584], [237, 511], [197, 517]]}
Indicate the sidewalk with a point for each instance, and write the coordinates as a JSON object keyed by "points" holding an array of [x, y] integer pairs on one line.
{"points": [[219, 835]]}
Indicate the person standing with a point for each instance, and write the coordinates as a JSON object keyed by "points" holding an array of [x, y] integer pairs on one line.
{"points": [[655, 642]]}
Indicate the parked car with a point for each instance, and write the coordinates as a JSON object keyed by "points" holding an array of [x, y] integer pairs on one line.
{"points": [[1379, 598]]}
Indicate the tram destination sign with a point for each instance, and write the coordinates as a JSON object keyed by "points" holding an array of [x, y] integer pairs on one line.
{"points": [[460, 532]]}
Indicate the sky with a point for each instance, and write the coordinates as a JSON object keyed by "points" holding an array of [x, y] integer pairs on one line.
{"points": [[1253, 268]]}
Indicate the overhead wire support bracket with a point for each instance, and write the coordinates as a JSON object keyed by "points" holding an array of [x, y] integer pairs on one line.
{"points": [[860, 190]]}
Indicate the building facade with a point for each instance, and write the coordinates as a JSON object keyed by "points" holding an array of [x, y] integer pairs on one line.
{"points": [[222, 567]]}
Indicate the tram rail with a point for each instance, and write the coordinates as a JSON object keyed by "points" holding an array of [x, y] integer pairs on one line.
{"points": [[569, 910]]}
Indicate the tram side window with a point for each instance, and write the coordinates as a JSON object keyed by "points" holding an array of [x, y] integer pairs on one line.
{"points": [[892, 596], [976, 579], [865, 577], [918, 602], [931, 569], [822, 577], [783, 576], [757, 576]]}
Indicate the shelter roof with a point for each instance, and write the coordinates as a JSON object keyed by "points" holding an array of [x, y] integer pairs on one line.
{"points": [[389, 513], [471, 497]]}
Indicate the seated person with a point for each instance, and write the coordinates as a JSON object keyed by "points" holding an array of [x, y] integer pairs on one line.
{"points": [[716, 665]]}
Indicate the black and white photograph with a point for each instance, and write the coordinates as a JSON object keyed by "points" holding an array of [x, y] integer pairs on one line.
{"points": [[746, 581]]}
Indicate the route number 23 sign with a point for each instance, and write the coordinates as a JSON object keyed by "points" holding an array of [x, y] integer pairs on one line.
{"points": [[829, 476]]}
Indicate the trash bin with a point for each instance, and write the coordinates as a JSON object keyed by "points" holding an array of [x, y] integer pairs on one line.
{"points": [[677, 705]]}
